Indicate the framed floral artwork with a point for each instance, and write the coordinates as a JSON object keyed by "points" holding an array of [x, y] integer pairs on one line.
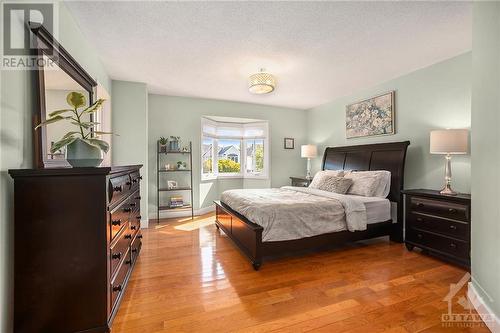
{"points": [[371, 117], [289, 143]]}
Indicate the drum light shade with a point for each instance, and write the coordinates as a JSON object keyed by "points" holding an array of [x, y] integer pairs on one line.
{"points": [[309, 151], [449, 141], [261, 83]]}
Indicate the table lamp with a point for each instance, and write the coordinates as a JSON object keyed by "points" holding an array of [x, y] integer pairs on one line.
{"points": [[308, 151]]}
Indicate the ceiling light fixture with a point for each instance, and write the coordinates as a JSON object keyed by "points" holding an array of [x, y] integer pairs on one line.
{"points": [[261, 83]]}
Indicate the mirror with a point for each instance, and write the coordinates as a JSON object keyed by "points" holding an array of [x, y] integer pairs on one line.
{"points": [[58, 84], [58, 75]]}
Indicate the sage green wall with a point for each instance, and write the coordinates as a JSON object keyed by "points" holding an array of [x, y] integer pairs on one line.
{"points": [[130, 123], [16, 141], [181, 116], [434, 97], [486, 153]]}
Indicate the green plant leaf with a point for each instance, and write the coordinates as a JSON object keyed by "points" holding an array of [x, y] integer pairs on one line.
{"points": [[76, 99], [101, 133], [85, 124], [69, 134], [51, 120], [58, 112], [94, 107], [103, 145], [62, 143]]}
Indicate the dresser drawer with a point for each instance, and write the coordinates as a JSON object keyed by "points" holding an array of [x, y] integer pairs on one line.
{"points": [[135, 248], [443, 226], [119, 188], [135, 201], [433, 242], [118, 283], [135, 178], [119, 249], [439, 208], [119, 218]]}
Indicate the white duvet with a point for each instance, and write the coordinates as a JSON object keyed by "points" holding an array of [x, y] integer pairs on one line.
{"points": [[297, 212]]}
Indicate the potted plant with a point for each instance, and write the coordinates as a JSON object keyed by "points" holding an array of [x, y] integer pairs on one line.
{"points": [[181, 165], [83, 146], [173, 144], [163, 144]]}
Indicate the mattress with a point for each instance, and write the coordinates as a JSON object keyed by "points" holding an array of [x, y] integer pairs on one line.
{"points": [[377, 209]]}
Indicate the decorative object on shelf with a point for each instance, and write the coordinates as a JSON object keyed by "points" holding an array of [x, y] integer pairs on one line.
{"points": [[371, 117], [173, 144], [172, 184], [163, 144], [181, 165], [308, 151], [83, 147], [176, 201], [261, 83], [185, 150], [169, 167], [449, 142], [289, 143]]}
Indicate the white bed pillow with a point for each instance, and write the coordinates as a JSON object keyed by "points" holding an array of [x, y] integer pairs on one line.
{"points": [[333, 184], [319, 177], [370, 183]]}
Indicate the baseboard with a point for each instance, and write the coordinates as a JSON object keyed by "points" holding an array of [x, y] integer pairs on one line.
{"points": [[490, 319], [185, 213]]}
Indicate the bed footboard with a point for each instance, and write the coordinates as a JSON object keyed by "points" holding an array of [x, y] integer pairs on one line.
{"points": [[245, 234]]}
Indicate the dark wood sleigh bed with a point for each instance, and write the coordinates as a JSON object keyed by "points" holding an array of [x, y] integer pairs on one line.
{"points": [[384, 156]]}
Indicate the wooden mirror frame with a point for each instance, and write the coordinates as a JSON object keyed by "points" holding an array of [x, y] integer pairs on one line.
{"points": [[46, 44]]}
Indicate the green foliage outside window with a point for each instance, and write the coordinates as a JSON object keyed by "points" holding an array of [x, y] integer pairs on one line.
{"points": [[228, 165]]}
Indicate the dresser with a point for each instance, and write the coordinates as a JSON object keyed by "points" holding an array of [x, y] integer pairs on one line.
{"points": [[76, 240], [300, 181], [439, 224]]}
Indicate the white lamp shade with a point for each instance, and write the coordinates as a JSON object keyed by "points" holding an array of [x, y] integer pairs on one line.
{"points": [[309, 151], [449, 141]]}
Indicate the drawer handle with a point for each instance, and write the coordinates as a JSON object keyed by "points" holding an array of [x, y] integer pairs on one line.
{"points": [[128, 236], [133, 204], [134, 250], [139, 236], [140, 177], [116, 222], [132, 227], [420, 205], [128, 262], [118, 188], [420, 236], [134, 180], [452, 210], [419, 219], [453, 245], [138, 217], [127, 210], [453, 227], [117, 288], [128, 183], [117, 255], [138, 198]]}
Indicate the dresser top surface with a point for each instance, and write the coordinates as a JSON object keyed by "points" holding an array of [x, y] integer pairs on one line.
{"points": [[15, 173]]}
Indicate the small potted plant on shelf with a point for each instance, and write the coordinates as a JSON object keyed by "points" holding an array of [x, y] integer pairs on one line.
{"points": [[181, 165], [173, 144], [163, 144], [84, 147]]}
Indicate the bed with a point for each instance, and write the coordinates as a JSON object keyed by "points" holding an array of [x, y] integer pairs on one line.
{"points": [[255, 241]]}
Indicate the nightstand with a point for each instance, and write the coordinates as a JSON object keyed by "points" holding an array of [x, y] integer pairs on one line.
{"points": [[439, 224], [300, 181]]}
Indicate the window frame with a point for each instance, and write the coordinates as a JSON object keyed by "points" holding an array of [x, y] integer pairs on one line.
{"points": [[243, 150]]}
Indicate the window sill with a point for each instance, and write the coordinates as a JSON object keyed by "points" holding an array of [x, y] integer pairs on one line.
{"points": [[210, 178]]}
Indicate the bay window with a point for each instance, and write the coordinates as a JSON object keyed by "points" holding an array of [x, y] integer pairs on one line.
{"points": [[234, 149]]}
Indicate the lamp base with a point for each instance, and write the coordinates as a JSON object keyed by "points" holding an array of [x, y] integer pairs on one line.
{"points": [[448, 191]]}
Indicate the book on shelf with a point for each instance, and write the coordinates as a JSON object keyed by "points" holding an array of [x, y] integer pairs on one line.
{"points": [[176, 201]]}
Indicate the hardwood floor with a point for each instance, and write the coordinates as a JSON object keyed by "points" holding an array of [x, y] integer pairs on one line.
{"points": [[190, 278]]}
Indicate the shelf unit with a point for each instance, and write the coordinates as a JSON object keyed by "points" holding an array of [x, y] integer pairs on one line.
{"points": [[162, 182]]}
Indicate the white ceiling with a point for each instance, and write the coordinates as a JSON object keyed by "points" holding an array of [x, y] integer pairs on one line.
{"points": [[318, 50]]}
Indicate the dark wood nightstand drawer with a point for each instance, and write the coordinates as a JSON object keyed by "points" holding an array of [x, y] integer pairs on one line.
{"points": [[439, 208], [434, 242], [443, 226], [300, 181]]}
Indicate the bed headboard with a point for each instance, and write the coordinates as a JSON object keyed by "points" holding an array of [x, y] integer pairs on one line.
{"points": [[380, 156]]}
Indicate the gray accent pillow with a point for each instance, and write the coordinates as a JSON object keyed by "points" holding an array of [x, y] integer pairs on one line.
{"points": [[333, 184]]}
